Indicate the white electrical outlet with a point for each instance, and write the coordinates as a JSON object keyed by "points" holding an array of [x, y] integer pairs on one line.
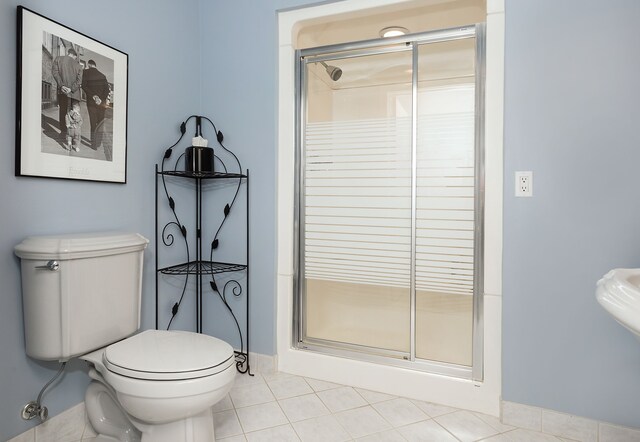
{"points": [[524, 183]]}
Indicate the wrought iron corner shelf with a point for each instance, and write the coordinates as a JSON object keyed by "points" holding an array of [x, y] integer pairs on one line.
{"points": [[205, 274]]}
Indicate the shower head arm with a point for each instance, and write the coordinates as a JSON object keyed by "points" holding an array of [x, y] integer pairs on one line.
{"points": [[334, 72]]}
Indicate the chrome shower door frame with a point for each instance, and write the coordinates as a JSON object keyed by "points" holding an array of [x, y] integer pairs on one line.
{"points": [[377, 355]]}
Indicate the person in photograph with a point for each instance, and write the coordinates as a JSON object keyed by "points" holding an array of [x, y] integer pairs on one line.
{"points": [[67, 73], [96, 88], [73, 122]]}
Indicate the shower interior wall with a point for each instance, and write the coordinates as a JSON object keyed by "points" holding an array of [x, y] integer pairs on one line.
{"points": [[415, 15]]}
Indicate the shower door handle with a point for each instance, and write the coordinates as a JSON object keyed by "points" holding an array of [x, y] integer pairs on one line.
{"points": [[51, 265]]}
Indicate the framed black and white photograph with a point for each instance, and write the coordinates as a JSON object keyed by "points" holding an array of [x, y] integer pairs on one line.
{"points": [[71, 103]]}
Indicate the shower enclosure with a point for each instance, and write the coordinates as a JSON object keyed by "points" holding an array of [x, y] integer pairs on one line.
{"points": [[389, 193]]}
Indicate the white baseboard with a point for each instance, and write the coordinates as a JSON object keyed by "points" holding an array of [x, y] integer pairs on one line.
{"points": [[69, 426], [565, 425], [263, 363]]}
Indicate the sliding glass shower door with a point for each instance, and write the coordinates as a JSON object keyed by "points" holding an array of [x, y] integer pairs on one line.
{"points": [[389, 201], [357, 204]]}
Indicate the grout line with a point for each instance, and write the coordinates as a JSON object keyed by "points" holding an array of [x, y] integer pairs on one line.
{"points": [[361, 396], [235, 413], [378, 413], [444, 428]]}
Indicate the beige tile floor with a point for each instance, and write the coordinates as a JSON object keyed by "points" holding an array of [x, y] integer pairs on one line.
{"points": [[283, 407]]}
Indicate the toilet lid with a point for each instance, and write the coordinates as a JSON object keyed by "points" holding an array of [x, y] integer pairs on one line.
{"points": [[168, 355]]}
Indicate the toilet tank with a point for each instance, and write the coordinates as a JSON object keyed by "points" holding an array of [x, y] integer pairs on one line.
{"points": [[79, 292]]}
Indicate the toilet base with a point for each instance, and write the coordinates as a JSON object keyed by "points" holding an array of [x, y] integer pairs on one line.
{"points": [[106, 416], [112, 424], [197, 428]]}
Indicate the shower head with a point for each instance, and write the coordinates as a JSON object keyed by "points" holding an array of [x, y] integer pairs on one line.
{"points": [[333, 71]]}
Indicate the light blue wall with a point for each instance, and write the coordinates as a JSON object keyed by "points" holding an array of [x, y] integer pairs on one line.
{"points": [[164, 79], [571, 116], [571, 98], [239, 92]]}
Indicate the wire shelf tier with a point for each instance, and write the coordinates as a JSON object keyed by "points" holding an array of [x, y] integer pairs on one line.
{"points": [[201, 175], [202, 268]]}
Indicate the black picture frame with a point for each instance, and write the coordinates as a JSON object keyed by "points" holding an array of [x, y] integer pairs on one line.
{"points": [[71, 103]]}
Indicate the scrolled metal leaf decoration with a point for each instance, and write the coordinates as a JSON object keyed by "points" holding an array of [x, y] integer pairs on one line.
{"points": [[227, 208], [236, 289], [168, 238]]}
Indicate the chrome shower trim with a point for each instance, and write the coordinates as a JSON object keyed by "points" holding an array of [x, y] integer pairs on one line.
{"points": [[477, 356], [382, 43], [392, 360], [353, 351]]}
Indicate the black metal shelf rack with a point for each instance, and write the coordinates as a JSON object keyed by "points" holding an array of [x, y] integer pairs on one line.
{"points": [[196, 265]]}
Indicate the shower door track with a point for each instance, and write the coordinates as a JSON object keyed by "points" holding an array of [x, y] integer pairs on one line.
{"points": [[359, 352], [378, 355]]}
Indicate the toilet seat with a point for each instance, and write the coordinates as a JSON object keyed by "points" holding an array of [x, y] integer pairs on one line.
{"points": [[159, 355]]}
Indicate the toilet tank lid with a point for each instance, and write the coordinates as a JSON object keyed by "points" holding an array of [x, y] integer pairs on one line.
{"points": [[82, 245]]}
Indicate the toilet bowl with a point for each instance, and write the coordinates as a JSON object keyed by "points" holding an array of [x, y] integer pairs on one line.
{"points": [[165, 382]]}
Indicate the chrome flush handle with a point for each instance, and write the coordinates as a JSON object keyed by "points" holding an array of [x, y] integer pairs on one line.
{"points": [[51, 265]]}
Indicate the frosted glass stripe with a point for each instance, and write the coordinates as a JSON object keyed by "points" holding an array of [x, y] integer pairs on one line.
{"points": [[381, 201], [397, 266], [356, 192], [381, 247], [357, 221], [352, 255], [362, 238], [385, 282], [357, 202], [435, 214]]}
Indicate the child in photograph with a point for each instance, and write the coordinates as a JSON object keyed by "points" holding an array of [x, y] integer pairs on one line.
{"points": [[73, 122]]}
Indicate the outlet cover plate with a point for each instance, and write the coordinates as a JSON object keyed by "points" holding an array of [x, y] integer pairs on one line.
{"points": [[524, 183]]}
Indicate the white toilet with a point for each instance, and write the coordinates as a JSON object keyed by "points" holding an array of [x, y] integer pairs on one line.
{"points": [[81, 298]]}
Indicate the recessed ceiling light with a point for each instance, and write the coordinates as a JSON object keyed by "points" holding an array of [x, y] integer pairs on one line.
{"points": [[393, 31]]}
